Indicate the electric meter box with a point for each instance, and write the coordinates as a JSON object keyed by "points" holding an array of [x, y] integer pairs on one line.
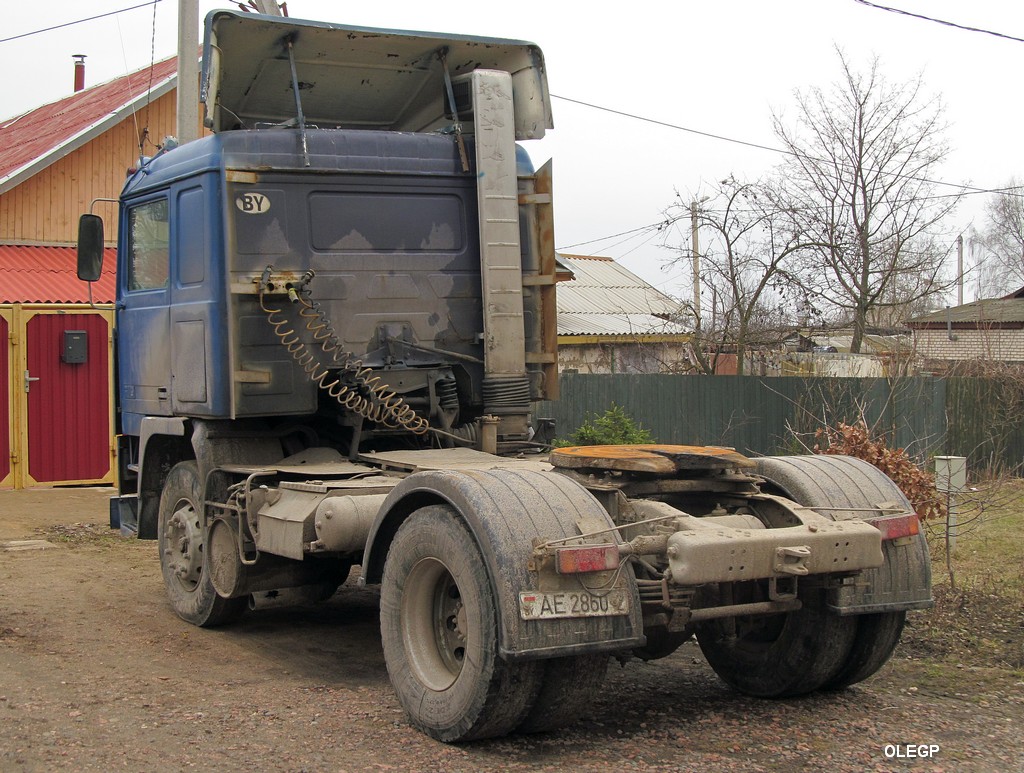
{"points": [[950, 474]]}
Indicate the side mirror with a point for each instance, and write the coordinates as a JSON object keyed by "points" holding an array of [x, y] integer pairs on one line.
{"points": [[90, 247]]}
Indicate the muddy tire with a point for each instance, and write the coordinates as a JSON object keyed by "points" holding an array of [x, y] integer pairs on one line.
{"points": [[877, 636], [181, 542], [662, 642], [568, 688], [334, 575], [780, 656], [841, 481], [438, 624]]}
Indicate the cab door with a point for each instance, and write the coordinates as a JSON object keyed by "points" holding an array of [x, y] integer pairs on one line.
{"points": [[143, 342]]}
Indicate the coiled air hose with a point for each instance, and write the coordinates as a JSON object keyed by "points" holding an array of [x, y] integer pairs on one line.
{"points": [[354, 386]]}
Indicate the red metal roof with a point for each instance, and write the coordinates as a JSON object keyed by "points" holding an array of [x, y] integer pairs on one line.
{"points": [[31, 274], [40, 132]]}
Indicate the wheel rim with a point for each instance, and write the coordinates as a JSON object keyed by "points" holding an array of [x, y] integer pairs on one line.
{"points": [[183, 545], [435, 625]]}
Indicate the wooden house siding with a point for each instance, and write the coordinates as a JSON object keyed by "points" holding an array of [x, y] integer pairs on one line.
{"points": [[45, 208]]}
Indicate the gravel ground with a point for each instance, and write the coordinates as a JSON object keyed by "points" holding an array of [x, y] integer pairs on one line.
{"points": [[96, 673]]}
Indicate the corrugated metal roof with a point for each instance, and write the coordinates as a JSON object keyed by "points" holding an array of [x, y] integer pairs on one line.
{"points": [[992, 311], [614, 324], [32, 141], [870, 344], [606, 298], [30, 274]]}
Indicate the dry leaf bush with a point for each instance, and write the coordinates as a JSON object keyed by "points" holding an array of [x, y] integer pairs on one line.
{"points": [[917, 484]]}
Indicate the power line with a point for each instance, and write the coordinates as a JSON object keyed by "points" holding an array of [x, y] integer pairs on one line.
{"points": [[78, 21], [939, 21], [782, 151], [659, 225], [662, 225], [676, 126]]}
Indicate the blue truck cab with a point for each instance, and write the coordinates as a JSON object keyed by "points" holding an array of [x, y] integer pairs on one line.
{"points": [[318, 260]]}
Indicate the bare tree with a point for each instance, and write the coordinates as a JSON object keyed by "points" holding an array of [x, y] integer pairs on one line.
{"points": [[744, 268], [1001, 242], [859, 177]]}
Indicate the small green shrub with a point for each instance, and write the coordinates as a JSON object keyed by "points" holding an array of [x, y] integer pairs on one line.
{"points": [[614, 427]]}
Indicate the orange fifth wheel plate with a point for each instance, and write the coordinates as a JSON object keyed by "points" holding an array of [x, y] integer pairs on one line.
{"points": [[660, 459]]}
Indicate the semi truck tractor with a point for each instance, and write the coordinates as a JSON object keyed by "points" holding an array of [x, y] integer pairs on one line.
{"points": [[335, 313]]}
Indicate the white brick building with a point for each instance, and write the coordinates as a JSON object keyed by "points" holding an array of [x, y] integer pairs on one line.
{"points": [[990, 329]]}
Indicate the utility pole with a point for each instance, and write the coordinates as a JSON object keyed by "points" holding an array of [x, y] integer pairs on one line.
{"points": [[960, 270], [188, 64], [268, 7], [695, 249], [188, 70]]}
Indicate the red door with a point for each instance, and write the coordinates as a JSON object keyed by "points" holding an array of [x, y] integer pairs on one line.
{"points": [[6, 434], [67, 378]]}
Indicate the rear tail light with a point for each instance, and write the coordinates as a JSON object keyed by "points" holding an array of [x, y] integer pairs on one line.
{"points": [[897, 526], [579, 559]]}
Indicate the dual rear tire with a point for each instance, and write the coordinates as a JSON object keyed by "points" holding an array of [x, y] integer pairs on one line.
{"points": [[812, 648], [439, 629], [181, 541]]}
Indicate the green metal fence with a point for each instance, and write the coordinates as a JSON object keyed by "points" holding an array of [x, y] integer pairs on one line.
{"points": [[758, 415]]}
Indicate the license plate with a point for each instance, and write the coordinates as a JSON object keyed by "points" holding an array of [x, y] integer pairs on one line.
{"points": [[551, 606]]}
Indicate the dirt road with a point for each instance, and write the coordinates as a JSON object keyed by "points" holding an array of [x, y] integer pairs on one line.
{"points": [[96, 673]]}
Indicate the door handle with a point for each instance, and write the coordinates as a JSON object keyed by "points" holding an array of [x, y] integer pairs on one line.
{"points": [[28, 381]]}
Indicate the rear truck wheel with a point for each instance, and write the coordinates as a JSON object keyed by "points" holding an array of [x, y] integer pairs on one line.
{"points": [[780, 656], [877, 636], [334, 576], [439, 630], [662, 642], [181, 542], [569, 686], [840, 481]]}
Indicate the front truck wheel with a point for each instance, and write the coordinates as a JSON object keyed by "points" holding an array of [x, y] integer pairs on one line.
{"points": [[837, 482], [181, 542], [439, 630], [780, 656]]}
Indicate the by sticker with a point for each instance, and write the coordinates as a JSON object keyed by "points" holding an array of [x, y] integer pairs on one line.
{"points": [[253, 203]]}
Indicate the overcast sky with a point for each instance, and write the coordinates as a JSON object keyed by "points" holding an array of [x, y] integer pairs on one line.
{"points": [[718, 66]]}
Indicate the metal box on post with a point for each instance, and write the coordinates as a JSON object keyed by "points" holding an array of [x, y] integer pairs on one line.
{"points": [[950, 474]]}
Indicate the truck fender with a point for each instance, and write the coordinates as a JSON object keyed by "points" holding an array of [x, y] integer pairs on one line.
{"points": [[162, 444], [506, 510], [165, 441], [904, 581]]}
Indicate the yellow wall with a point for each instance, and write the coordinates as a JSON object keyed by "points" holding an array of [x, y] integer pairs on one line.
{"points": [[45, 208]]}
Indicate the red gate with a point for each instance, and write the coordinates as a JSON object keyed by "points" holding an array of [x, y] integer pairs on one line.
{"points": [[67, 380], [6, 425]]}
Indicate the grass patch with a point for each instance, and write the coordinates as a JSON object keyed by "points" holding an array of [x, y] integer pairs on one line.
{"points": [[978, 618], [989, 553]]}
